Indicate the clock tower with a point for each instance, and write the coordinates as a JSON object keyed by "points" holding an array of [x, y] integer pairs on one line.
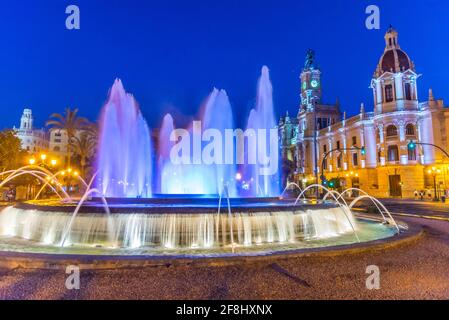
{"points": [[310, 83], [313, 116]]}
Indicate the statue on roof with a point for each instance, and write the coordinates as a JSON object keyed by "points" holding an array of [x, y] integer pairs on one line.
{"points": [[310, 60]]}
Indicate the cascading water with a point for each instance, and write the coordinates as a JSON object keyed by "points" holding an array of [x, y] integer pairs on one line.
{"points": [[124, 158], [176, 230]]}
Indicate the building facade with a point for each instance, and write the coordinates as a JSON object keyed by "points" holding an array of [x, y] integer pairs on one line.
{"points": [[323, 142], [33, 140], [54, 143]]}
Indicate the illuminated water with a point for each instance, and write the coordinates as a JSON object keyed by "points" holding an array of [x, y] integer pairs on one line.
{"points": [[124, 156], [257, 228], [125, 166], [262, 117], [198, 177]]}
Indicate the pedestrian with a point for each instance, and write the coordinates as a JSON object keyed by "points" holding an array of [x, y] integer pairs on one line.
{"points": [[421, 194], [416, 194], [9, 195]]}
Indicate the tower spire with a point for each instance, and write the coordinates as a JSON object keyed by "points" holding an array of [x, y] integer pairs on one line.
{"points": [[391, 39], [431, 97]]}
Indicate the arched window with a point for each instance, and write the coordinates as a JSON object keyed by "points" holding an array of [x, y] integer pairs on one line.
{"points": [[393, 153], [57, 149], [392, 131], [410, 130]]}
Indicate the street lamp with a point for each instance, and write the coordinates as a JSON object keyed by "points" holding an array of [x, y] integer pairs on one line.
{"points": [[53, 162], [43, 157], [434, 172], [32, 161]]}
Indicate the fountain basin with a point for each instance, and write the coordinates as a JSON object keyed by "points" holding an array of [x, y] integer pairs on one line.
{"points": [[180, 227]]}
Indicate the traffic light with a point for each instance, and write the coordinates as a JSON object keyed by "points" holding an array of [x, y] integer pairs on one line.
{"points": [[324, 180], [363, 151], [411, 145], [331, 184]]}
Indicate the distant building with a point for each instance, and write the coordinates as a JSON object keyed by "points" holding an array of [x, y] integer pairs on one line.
{"points": [[33, 140], [59, 143], [389, 168]]}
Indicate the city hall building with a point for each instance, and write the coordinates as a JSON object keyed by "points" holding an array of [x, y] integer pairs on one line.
{"points": [[387, 167]]}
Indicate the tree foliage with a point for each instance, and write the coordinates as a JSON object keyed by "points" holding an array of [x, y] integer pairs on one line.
{"points": [[11, 154], [70, 122]]}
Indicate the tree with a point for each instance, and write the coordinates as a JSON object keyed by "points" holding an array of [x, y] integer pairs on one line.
{"points": [[84, 147], [288, 168], [11, 154], [70, 123]]}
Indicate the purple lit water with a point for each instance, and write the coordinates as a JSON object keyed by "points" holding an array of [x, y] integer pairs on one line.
{"points": [[125, 165], [124, 156], [262, 117]]}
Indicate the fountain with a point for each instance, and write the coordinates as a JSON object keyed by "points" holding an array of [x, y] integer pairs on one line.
{"points": [[122, 214], [193, 176], [262, 118], [124, 158]]}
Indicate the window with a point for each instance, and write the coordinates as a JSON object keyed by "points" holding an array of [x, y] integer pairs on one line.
{"points": [[408, 91], [339, 162], [338, 145], [57, 149], [57, 140], [355, 159], [354, 141], [411, 154], [393, 153], [324, 149], [410, 130], [379, 156], [392, 131], [322, 123], [389, 93], [325, 164]]}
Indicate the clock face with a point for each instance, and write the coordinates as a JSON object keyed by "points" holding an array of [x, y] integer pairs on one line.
{"points": [[314, 84]]}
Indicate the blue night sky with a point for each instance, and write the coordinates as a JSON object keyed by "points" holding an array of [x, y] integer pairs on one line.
{"points": [[171, 53]]}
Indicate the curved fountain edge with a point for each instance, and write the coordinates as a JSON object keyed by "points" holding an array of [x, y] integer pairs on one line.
{"points": [[13, 260]]}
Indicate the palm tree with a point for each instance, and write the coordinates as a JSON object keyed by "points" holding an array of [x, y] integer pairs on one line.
{"points": [[69, 122], [84, 146]]}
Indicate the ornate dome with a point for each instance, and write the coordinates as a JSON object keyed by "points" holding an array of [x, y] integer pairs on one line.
{"points": [[394, 59]]}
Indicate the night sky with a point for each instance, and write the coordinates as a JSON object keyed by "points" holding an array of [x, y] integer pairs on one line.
{"points": [[171, 53]]}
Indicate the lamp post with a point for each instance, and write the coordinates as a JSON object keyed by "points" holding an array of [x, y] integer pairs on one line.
{"points": [[434, 172]]}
